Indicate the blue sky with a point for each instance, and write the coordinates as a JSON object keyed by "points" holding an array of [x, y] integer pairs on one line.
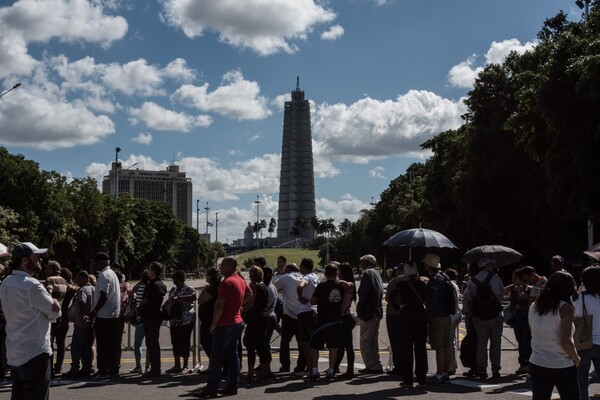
{"points": [[202, 83]]}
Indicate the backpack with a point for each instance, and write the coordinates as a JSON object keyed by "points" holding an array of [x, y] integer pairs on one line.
{"points": [[486, 305], [449, 299]]}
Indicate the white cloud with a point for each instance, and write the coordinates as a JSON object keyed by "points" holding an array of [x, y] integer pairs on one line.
{"points": [[377, 172], [159, 118], [178, 69], [27, 21], [133, 78], [371, 129], [464, 73], [236, 98], [254, 137], [279, 101], [40, 118], [333, 33], [143, 138], [266, 27], [347, 206]]}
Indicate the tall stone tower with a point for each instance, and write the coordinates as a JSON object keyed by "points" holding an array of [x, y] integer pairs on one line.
{"points": [[297, 179]]}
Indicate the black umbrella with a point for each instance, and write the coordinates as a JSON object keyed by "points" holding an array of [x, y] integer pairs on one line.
{"points": [[419, 237], [501, 254]]}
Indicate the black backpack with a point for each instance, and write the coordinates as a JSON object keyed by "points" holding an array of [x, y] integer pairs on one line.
{"points": [[449, 299], [486, 305]]}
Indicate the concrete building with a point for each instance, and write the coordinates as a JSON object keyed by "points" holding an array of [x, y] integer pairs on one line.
{"points": [[297, 179], [169, 186]]}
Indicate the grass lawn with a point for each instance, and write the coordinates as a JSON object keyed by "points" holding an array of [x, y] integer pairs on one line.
{"points": [[292, 255]]}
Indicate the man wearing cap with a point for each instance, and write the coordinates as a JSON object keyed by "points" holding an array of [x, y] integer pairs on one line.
{"points": [[106, 306], [29, 310], [370, 311], [486, 330], [439, 323]]}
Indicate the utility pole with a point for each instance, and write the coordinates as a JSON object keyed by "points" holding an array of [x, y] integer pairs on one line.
{"points": [[198, 215], [117, 150], [217, 227], [257, 202]]}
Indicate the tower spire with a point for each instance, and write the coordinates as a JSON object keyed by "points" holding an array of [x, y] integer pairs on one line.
{"points": [[298, 83]]}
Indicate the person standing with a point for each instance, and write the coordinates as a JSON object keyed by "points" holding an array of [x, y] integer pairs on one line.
{"points": [[307, 313], [57, 287], [227, 328], [328, 298], [486, 311], [286, 282], [206, 306], [412, 325], [438, 318], [370, 311], [346, 279], [138, 290], [150, 313], [29, 309], [181, 326], [588, 302], [83, 332], [393, 311], [554, 360], [105, 313]]}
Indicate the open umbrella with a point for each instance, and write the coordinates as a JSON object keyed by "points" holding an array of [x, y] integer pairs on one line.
{"points": [[502, 254], [594, 252], [419, 237], [3, 250]]}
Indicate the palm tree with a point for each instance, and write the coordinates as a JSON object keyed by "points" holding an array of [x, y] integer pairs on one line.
{"points": [[272, 226]]}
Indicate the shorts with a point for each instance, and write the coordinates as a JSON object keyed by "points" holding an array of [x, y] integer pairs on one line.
{"points": [[306, 324], [329, 334], [440, 333]]}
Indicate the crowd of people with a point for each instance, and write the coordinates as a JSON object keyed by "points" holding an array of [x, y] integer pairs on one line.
{"points": [[294, 301]]}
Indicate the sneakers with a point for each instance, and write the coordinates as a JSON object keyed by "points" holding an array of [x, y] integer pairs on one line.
{"points": [[284, 369], [136, 370], [370, 371], [330, 375], [312, 377], [174, 370]]}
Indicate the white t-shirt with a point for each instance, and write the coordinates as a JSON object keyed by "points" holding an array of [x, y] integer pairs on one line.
{"points": [[312, 280], [109, 284], [287, 285], [592, 306]]}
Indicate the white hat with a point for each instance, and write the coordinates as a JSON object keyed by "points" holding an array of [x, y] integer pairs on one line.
{"points": [[432, 260], [369, 258]]}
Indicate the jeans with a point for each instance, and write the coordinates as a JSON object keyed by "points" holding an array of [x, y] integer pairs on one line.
{"points": [[152, 332], [32, 379], [59, 335], [588, 357], [543, 380], [488, 330], [137, 346], [81, 349], [523, 336], [369, 343], [289, 329], [225, 347], [108, 343]]}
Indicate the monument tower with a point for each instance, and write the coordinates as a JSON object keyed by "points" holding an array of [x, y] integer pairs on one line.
{"points": [[297, 179]]}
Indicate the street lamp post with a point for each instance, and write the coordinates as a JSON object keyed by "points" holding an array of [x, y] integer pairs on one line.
{"points": [[10, 90], [117, 150], [257, 202]]}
